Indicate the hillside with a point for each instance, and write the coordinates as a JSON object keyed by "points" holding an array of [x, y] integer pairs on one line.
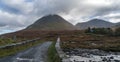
{"points": [[51, 22], [97, 23], [117, 25]]}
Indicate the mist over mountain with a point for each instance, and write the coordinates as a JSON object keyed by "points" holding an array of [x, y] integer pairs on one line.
{"points": [[95, 23], [51, 22]]}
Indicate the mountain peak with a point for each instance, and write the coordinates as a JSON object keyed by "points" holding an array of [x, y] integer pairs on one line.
{"points": [[52, 15], [97, 20], [51, 22], [96, 23]]}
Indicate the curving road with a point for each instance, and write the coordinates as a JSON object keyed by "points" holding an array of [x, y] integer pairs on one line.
{"points": [[34, 54]]}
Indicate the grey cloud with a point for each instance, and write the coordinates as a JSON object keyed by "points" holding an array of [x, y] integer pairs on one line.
{"points": [[53, 6], [1, 25], [111, 17], [6, 21], [105, 10]]}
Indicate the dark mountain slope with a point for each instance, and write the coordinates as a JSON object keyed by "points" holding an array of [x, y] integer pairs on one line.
{"points": [[51, 22]]}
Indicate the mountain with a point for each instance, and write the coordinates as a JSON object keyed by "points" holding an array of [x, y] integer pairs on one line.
{"points": [[51, 22], [95, 23], [117, 25]]}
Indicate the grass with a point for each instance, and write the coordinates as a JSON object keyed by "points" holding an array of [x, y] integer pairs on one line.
{"points": [[6, 41], [52, 54], [88, 41], [14, 49]]}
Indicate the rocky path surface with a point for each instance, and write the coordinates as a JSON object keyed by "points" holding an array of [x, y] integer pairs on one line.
{"points": [[34, 54]]}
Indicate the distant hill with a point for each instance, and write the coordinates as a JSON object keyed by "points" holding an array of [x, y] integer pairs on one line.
{"points": [[95, 23], [51, 22], [117, 25]]}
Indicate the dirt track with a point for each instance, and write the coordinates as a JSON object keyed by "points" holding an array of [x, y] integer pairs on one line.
{"points": [[34, 54]]}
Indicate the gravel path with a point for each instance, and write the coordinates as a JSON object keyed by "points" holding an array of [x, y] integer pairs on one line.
{"points": [[34, 54]]}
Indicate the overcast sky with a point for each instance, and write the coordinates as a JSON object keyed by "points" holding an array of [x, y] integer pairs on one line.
{"points": [[18, 14]]}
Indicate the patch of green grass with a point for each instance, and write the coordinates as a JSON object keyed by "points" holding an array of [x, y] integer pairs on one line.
{"points": [[52, 54], [6, 41], [14, 49]]}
